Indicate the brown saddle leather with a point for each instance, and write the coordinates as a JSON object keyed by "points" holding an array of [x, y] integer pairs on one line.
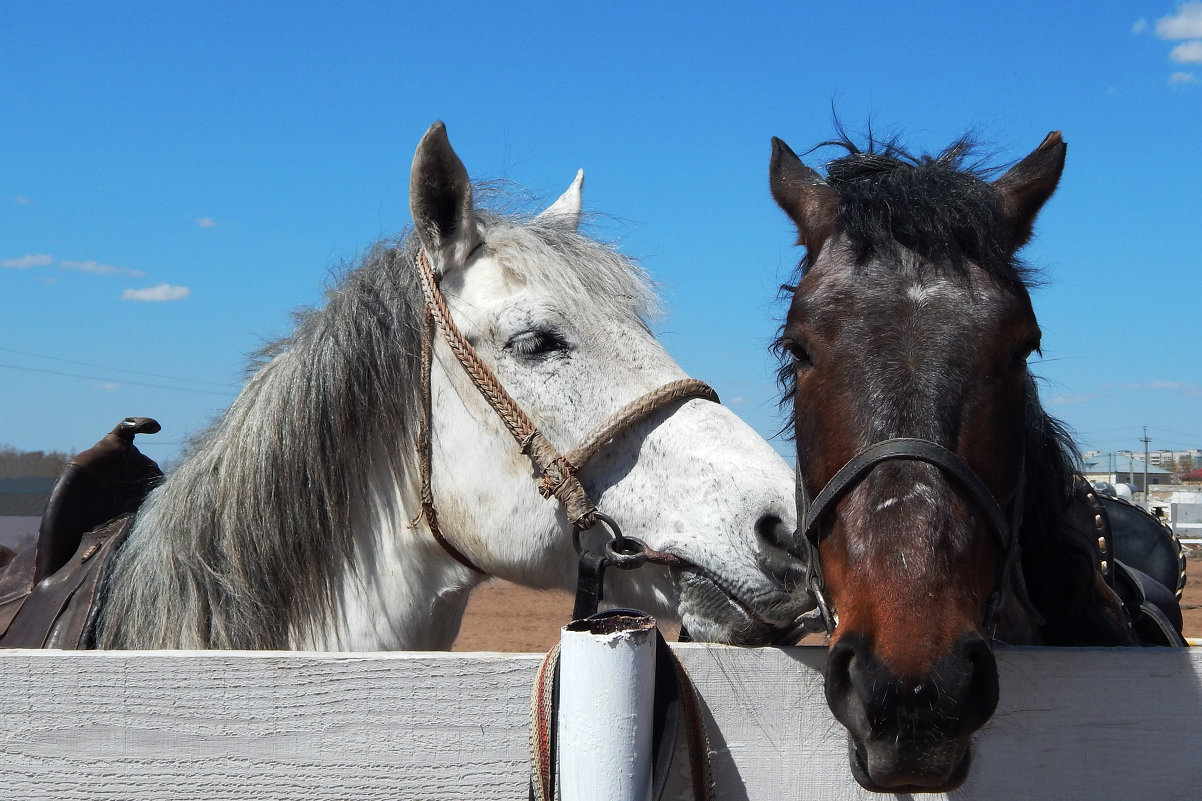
{"points": [[49, 589]]}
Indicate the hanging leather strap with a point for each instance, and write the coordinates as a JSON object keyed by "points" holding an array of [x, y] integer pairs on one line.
{"points": [[675, 711]]}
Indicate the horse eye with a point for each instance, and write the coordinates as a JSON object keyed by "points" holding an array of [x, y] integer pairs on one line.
{"points": [[537, 343], [1023, 353], [798, 353]]}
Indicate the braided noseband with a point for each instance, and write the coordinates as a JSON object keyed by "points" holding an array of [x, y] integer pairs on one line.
{"points": [[556, 472]]}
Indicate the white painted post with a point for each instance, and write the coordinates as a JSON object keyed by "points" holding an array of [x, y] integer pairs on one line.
{"points": [[606, 693]]}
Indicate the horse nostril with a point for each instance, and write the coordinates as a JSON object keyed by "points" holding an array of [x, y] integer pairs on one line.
{"points": [[771, 529], [848, 685], [981, 693], [775, 556], [838, 669]]}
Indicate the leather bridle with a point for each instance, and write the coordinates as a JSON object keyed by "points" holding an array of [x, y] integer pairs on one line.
{"points": [[811, 513], [556, 473]]}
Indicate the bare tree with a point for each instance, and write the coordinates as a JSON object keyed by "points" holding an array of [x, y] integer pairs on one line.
{"points": [[19, 464]]}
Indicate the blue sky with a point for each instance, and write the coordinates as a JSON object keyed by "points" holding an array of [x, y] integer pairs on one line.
{"points": [[176, 178]]}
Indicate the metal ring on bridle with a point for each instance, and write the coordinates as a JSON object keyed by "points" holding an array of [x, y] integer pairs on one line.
{"points": [[622, 552]]}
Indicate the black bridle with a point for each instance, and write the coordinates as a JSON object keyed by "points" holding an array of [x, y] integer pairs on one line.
{"points": [[810, 514]]}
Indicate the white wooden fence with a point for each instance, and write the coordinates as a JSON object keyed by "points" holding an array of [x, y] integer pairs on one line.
{"points": [[1072, 724]]}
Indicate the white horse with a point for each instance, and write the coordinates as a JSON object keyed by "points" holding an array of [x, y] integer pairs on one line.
{"points": [[296, 521]]}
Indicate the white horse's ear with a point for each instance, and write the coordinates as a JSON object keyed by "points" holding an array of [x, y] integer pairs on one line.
{"points": [[567, 207], [440, 200]]}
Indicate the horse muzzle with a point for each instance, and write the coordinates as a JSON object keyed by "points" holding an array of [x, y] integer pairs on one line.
{"points": [[714, 612], [883, 767], [911, 735]]}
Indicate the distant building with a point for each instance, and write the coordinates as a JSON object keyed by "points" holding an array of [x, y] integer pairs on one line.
{"points": [[1168, 459], [25, 496], [1122, 468]]}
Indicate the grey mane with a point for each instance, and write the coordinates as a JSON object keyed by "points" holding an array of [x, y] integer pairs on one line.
{"points": [[247, 542]]}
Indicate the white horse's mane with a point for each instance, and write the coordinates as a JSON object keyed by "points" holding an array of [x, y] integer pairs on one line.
{"points": [[247, 542]]}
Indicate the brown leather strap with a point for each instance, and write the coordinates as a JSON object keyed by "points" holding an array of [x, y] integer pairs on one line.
{"points": [[429, 510], [556, 477], [644, 406], [556, 472]]}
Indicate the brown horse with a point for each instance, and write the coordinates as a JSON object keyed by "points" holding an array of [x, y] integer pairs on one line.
{"points": [[936, 498]]}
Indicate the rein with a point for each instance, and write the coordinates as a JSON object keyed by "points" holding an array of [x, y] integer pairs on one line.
{"points": [[811, 513], [555, 472]]}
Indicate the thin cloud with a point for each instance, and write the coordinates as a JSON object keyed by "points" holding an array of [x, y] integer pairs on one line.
{"points": [[157, 294], [1175, 387], [1187, 53], [23, 201], [109, 386], [96, 268], [25, 262], [1140, 25], [206, 222], [1071, 398], [1185, 24]]}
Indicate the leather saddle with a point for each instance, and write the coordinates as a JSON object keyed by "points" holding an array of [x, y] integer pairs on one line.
{"points": [[1140, 559], [48, 590]]}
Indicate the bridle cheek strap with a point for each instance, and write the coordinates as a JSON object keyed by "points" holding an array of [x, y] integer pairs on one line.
{"points": [[556, 473], [811, 513]]}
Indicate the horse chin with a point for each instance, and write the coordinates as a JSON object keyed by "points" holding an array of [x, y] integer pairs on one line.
{"points": [[712, 613], [877, 767]]}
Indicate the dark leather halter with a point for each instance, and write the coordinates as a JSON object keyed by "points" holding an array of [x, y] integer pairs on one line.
{"points": [[812, 512]]}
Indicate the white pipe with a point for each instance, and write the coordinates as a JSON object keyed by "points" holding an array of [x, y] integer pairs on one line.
{"points": [[607, 689]]}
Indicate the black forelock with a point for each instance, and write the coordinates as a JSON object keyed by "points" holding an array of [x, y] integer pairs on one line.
{"points": [[941, 207]]}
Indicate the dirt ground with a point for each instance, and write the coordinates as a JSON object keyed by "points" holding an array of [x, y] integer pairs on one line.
{"points": [[504, 617], [1191, 599]]}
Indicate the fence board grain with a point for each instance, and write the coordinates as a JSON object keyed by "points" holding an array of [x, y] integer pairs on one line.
{"points": [[1072, 723]]}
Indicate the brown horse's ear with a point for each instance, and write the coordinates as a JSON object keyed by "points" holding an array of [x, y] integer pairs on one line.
{"points": [[808, 200], [440, 200], [1026, 186]]}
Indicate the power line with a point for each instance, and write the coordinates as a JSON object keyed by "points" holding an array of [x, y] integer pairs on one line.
{"points": [[118, 381], [1191, 435], [114, 369]]}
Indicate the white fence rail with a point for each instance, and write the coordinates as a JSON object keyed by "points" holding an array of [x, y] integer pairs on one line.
{"points": [[1072, 724]]}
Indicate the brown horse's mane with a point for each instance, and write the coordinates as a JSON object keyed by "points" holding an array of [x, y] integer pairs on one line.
{"points": [[1058, 564]]}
